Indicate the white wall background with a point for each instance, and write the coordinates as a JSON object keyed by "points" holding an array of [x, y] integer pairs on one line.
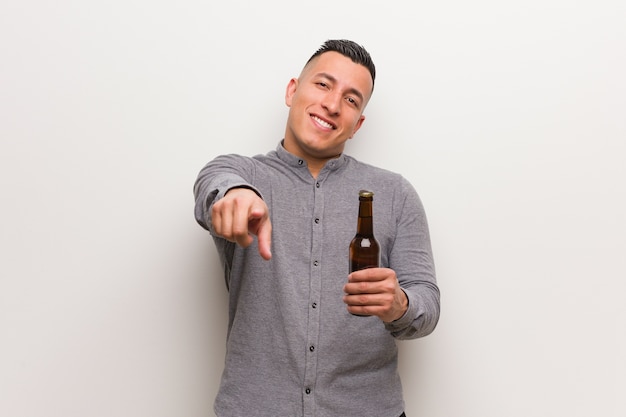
{"points": [[509, 118]]}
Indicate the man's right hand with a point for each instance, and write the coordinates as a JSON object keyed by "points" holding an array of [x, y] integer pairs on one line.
{"points": [[240, 214]]}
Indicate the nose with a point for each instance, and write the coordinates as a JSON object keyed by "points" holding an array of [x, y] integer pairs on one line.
{"points": [[332, 102]]}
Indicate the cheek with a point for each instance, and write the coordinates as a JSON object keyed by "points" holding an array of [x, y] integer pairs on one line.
{"points": [[357, 124]]}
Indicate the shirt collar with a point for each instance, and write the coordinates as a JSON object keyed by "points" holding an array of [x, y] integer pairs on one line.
{"points": [[296, 161]]}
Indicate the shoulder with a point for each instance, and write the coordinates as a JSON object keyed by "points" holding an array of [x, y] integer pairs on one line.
{"points": [[242, 161], [389, 186], [377, 174]]}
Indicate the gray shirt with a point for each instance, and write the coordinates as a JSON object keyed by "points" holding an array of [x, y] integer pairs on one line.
{"points": [[292, 347]]}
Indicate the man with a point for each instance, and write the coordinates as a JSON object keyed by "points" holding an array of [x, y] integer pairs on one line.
{"points": [[282, 224]]}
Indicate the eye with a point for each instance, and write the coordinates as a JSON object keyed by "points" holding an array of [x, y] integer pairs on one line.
{"points": [[322, 84], [352, 101]]}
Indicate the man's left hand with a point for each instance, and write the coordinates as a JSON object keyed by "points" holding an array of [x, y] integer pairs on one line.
{"points": [[375, 292]]}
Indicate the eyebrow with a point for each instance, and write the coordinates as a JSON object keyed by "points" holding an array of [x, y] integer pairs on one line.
{"points": [[351, 90]]}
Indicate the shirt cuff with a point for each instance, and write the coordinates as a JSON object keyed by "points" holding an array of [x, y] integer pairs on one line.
{"points": [[406, 320]]}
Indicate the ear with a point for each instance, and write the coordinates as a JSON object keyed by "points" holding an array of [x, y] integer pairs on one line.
{"points": [[358, 125], [291, 90]]}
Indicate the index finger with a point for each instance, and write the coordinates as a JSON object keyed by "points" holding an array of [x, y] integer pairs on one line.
{"points": [[264, 237]]}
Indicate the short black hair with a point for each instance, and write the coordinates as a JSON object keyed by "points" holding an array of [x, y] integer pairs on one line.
{"points": [[357, 53]]}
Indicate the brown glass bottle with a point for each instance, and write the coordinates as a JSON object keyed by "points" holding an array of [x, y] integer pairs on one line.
{"points": [[364, 248]]}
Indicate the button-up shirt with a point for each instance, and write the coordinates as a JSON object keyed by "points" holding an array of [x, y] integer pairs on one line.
{"points": [[292, 347]]}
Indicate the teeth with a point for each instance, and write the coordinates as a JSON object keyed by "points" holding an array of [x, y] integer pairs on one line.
{"points": [[322, 122]]}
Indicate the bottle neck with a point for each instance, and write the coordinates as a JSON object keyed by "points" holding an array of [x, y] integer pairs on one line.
{"points": [[365, 226]]}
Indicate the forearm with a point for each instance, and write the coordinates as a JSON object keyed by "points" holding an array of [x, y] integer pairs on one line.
{"points": [[422, 313]]}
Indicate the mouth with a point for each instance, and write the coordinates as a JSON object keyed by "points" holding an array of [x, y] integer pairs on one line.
{"points": [[323, 123]]}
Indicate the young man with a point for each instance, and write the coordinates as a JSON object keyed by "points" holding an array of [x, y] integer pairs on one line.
{"points": [[282, 223]]}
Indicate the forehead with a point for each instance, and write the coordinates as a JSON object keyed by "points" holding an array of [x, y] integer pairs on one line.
{"points": [[342, 69]]}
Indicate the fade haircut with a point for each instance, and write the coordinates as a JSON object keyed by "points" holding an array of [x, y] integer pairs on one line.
{"points": [[349, 49]]}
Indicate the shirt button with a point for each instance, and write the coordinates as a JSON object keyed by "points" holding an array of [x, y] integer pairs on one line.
{"points": [[317, 220], [312, 348], [314, 305], [308, 390], [316, 263], [300, 162], [317, 184]]}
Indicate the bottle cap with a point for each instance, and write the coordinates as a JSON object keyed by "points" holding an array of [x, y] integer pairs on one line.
{"points": [[366, 194]]}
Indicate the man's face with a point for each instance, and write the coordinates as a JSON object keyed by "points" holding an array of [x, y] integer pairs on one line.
{"points": [[326, 106]]}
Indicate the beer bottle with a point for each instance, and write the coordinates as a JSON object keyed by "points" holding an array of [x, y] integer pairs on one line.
{"points": [[364, 249]]}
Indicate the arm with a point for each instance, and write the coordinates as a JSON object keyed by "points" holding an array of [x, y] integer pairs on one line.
{"points": [[412, 260]]}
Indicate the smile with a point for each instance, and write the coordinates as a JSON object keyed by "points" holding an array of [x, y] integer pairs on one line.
{"points": [[323, 123]]}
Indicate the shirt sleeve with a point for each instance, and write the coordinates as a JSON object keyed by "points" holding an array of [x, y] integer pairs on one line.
{"points": [[412, 259]]}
